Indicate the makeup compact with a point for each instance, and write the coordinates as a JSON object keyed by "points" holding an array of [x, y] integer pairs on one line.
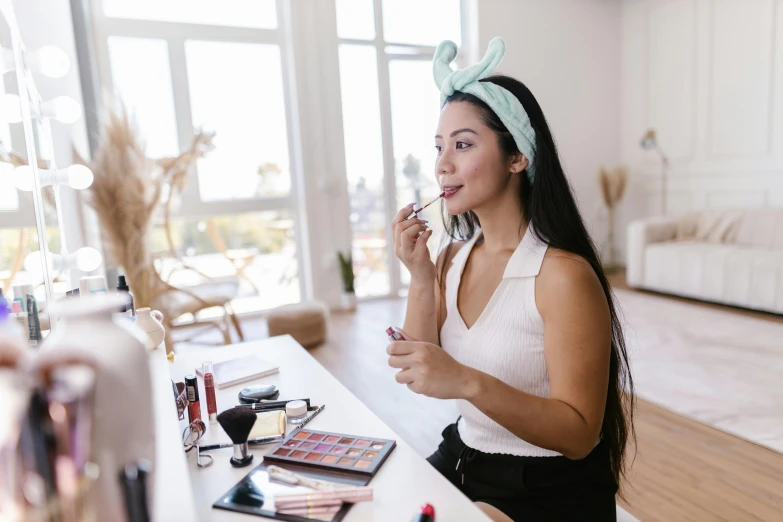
{"points": [[258, 393], [333, 451], [257, 494]]}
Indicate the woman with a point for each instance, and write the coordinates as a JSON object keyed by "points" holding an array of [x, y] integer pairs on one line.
{"points": [[515, 320]]}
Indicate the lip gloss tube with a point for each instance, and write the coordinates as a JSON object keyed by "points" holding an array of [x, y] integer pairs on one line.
{"points": [[393, 334], [209, 389], [194, 406]]}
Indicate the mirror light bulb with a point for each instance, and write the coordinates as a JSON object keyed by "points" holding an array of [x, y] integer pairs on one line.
{"points": [[88, 259], [50, 61], [23, 178], [79, 177], [62, 108], [33, 264], [12, 109]]}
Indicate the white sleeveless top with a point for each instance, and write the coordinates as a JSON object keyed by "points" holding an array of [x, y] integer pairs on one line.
{"points": [[507, 342]]}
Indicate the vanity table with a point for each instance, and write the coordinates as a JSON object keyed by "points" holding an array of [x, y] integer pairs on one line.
{"points": [[405, 482]]}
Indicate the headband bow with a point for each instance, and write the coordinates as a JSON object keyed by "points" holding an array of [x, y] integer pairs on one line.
{"points": [[508, 108]]}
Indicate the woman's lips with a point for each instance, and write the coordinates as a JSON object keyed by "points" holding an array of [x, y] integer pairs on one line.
{"points": [[448, 192]]}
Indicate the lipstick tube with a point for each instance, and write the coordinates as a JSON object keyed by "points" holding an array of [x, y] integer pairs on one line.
{"points": [[209, 390], [393, 334], [194, 406]]}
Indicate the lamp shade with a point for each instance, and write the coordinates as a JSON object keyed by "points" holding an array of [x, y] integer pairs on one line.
{"points": [[649, 141]]}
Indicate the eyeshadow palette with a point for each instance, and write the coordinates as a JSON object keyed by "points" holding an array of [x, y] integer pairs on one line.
{"points": [[336, 451]]}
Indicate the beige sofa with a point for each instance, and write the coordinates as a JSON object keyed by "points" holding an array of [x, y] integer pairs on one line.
{"points": [[733, 257]]}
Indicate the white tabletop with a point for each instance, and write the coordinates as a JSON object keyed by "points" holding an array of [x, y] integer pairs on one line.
{"points": [[402, 485], [170, 501]]}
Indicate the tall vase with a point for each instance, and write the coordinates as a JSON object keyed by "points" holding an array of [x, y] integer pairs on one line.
{"points": [[124, 428], [612, 261]]}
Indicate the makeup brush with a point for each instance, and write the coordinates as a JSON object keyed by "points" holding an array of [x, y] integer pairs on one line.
{"points": [[416, 212], [237, 423]]}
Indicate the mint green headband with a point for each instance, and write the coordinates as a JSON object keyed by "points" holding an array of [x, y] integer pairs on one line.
{"points": [[502, 102]]}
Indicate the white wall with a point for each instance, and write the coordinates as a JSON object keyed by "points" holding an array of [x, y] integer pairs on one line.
{"points": [[707, 74], [568, 53]]}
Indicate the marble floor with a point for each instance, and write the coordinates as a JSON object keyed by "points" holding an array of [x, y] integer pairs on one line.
{"points": [[717, 367]]}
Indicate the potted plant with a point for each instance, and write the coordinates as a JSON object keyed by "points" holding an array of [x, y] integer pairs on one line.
{"points": [[348, 301]]}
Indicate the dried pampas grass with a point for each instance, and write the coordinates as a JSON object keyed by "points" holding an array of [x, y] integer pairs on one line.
{"points": [[127, 189], [612, 183]]}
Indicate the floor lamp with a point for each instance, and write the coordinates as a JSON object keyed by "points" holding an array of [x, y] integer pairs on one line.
{"points": [[650, 142]]}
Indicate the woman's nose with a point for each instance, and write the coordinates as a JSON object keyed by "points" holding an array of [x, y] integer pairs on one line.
{"points": [[444, 164]]}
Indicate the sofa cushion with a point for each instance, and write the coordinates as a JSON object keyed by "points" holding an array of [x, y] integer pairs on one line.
{"points": [[760, 228], [740, 276], [709, 226]]}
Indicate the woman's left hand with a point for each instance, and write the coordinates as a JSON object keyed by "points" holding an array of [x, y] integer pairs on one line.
{"points": [[427, 369]]}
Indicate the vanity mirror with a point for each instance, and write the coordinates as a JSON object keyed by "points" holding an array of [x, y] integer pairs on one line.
{"points": [[35, 256]]}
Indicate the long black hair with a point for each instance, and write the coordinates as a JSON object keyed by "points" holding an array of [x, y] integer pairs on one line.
{"points": [[551, 213]]}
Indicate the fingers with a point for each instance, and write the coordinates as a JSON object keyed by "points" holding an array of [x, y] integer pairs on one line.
{"points": [[405, 336], [421, 243], [404, 377], [402, 362], [403, 213], [401, 348], [411, 234], [403, 244]]}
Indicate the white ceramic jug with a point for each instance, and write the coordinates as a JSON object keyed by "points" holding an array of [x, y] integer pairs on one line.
{"points": [[124, 424], [148, 321]]}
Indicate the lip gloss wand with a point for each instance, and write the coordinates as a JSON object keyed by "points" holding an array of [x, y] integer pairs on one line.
{"points": [[416, 212]]}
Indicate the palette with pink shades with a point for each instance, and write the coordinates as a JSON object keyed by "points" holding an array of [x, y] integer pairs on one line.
{"points": [[335, 451]]}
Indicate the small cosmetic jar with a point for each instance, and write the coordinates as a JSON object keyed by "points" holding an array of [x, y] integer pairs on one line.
{"points": [[296, 411]]}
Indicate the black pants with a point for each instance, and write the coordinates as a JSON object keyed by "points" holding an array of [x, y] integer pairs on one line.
{"points": [[530, 489]]}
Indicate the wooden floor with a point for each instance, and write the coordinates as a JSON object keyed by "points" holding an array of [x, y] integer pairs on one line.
{"points": [[683, 470]]}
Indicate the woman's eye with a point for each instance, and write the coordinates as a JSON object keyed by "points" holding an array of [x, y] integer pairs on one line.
{"points": [[439, 148], [462, 145]]}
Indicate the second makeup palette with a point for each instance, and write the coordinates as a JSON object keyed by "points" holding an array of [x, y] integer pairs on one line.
{"points": [[336, 451]]}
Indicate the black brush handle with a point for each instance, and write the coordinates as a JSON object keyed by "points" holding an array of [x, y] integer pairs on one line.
{"points": [[271, 405], [133, 479]]}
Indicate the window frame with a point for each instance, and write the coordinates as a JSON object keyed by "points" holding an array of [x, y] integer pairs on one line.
{"points": [[407, 52], [175, 34], [314, 123]]}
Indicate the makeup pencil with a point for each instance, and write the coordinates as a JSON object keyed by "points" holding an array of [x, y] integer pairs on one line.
{"points": [[308, 419]]}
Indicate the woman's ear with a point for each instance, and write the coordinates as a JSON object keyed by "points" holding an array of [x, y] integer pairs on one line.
{"points": [[518, 163]]}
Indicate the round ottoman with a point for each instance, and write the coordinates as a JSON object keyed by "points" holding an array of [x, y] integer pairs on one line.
{"points": [[305, 322]]}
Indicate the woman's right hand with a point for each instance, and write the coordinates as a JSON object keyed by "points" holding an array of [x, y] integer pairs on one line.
{"points": [[410, 244]]}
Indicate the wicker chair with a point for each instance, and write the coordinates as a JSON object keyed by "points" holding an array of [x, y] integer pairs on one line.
{"points": [[175, 301]]}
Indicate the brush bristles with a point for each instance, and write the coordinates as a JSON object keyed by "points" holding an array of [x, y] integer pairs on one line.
{"points": [[237, 423]]}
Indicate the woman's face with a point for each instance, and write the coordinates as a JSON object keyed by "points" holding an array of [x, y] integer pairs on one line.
{"points": [[471, 168]]}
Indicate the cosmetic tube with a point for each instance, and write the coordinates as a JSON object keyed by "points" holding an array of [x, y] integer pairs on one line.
{"points": [[194, 406], [209, 390], [393, 334], [33, 324]]}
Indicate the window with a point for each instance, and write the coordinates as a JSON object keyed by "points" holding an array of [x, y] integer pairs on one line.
{"points": [[258, 248], [261, 14], [179, 65], [184, 64], [390, 112], [251, 140], [142, 81]]}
